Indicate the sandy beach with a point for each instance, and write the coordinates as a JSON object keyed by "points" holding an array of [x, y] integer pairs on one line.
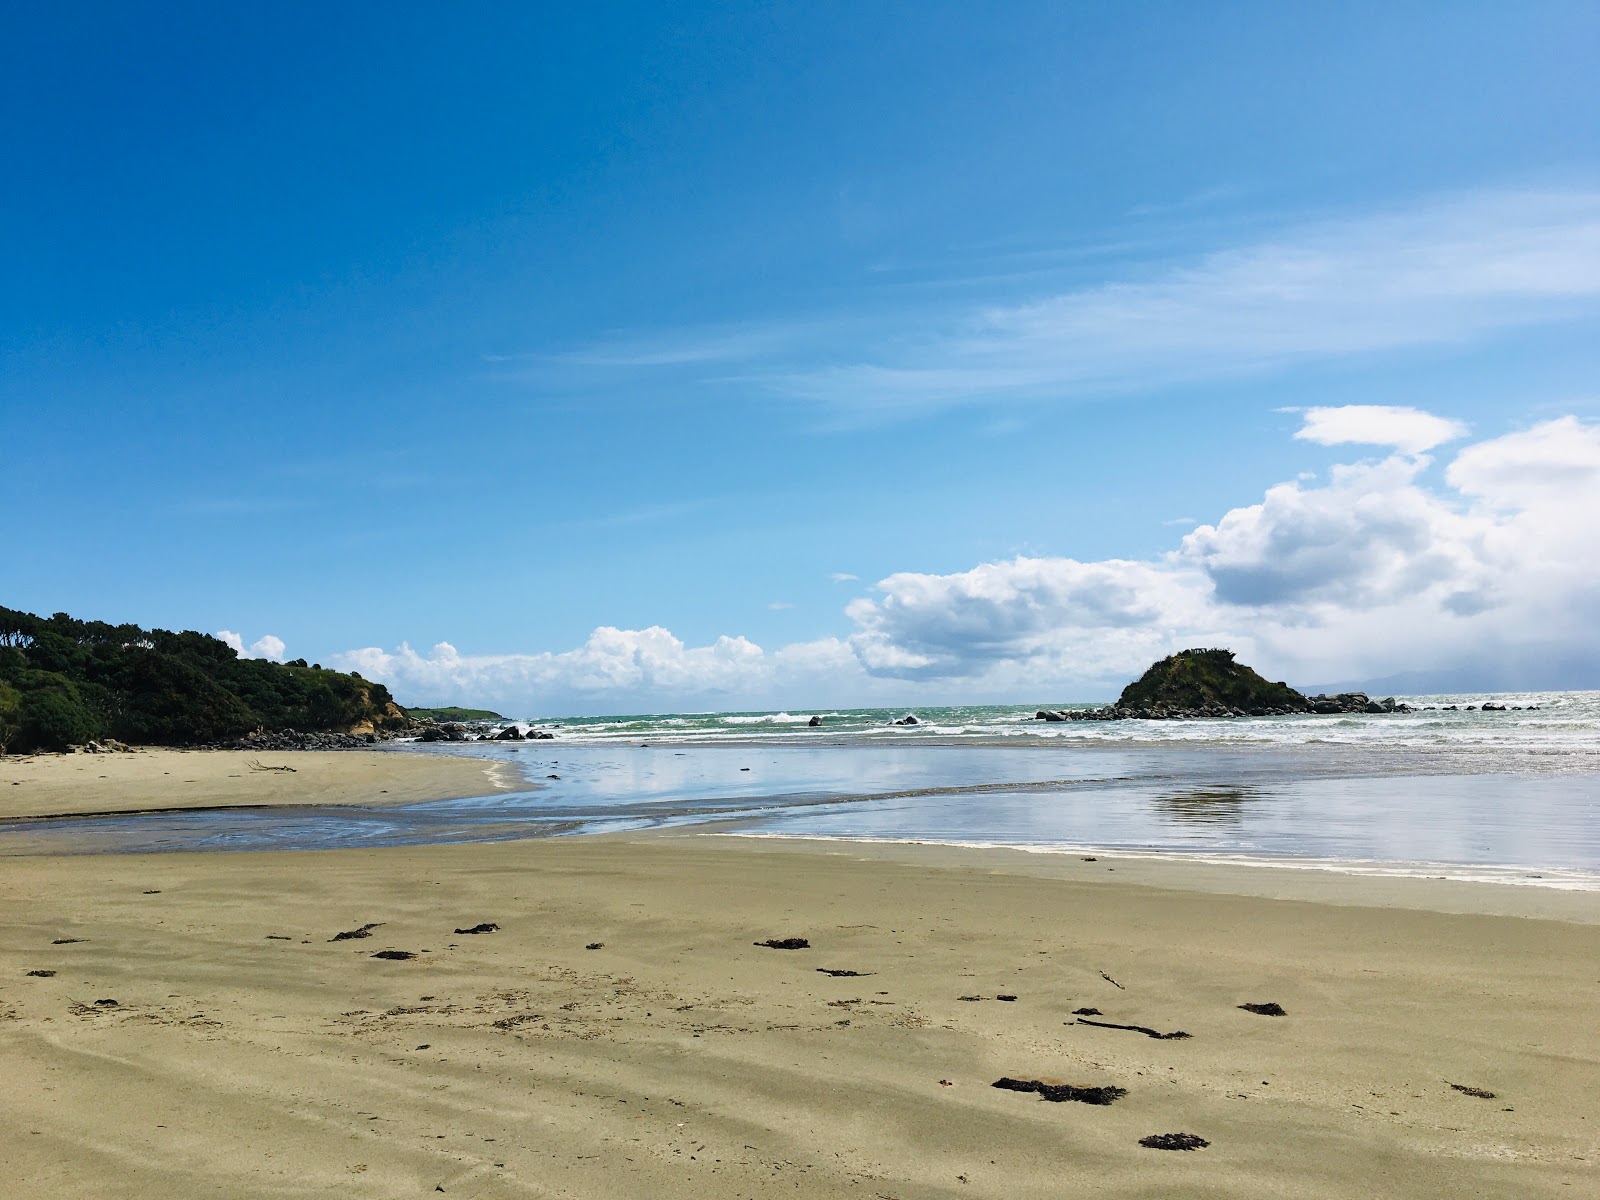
{"points": [[192, 1025], [151, 779]]}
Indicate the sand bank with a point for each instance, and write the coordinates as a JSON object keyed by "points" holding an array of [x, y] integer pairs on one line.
{"points": [[247, 1054], [151, 779]]}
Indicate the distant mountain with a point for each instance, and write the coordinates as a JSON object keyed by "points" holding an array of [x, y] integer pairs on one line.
{"points": [[1541, 673]]}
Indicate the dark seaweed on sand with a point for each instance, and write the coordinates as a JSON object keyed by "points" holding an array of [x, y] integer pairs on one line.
{"points": [[1175, 1036], [364, 931], [844, 974], [485, 927], [1270, 1009], [395, 955], [1058, 1092], [788, 943], [1174, 1141], [1480, 1093]]}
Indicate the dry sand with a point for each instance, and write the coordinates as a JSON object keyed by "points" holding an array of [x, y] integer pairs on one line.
{"points": [[145, 780], [249, 1055]]}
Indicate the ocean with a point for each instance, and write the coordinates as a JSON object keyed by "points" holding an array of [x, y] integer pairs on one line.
{"points": [[1505, 796]]}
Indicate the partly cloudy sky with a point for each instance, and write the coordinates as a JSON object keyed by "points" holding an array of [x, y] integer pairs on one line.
{"points": [[739, 356], [1386, 565]]}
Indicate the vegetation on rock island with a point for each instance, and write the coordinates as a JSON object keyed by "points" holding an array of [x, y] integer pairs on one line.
{"points": [[1196, 680], [454, 714], [65, 682]]}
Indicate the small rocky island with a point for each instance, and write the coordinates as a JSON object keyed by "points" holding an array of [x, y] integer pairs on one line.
{"points": [[1210, 683]]}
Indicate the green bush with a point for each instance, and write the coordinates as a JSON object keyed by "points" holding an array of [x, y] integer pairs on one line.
{"points": [[54, 720], [10, 715]]}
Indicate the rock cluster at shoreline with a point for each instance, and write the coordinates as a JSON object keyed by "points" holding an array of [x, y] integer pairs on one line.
{"points": [[290, 739], [455, 731], [1343, 703]]}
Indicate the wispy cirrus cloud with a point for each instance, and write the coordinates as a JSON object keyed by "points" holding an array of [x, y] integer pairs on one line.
{"points": [[1448, 270]]}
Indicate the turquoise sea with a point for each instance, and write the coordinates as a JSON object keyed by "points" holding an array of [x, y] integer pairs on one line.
{"points": [[1509, 796]]}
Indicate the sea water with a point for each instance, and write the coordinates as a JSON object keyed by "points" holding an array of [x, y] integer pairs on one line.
{"points": [[1511, 796]]}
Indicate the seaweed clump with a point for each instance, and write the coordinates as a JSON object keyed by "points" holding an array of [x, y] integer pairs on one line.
{"points": [[1174, 1141], [1058, 1092]]}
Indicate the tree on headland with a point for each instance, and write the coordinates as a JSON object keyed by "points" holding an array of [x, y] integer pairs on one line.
{"points": [[64, 682]]}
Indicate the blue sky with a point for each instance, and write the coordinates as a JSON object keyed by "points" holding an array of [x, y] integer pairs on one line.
{"points": [[376, 326]]}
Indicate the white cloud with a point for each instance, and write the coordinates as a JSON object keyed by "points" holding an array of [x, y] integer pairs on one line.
{"points": [[1372, 571], [1409, 430], [266, 646], [843, 577], [615, 670], [1551, 463], [1370, 536], [780, 606]]}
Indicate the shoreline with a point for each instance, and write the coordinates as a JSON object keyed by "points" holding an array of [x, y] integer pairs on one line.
{"points": [[249, 1049], [1266, 878], [351, 789]]}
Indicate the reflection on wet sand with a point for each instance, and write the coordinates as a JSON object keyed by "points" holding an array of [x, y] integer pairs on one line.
{"points": [[1265, 803]]}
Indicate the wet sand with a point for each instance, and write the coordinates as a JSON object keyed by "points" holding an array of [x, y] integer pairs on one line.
{"points": [[248, 1054], [151, 780]]}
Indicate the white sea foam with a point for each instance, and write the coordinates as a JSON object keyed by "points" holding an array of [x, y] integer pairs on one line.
{"points": [[1557, 878]]}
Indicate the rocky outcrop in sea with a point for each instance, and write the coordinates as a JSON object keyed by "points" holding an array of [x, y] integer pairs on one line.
{"points": [[1211, 684]]}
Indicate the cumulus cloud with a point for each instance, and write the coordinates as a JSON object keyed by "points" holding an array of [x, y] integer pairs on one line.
{"points": [[266, 646], [1375, 569], [1370, 572], [1409, 430], [614, 668]]}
